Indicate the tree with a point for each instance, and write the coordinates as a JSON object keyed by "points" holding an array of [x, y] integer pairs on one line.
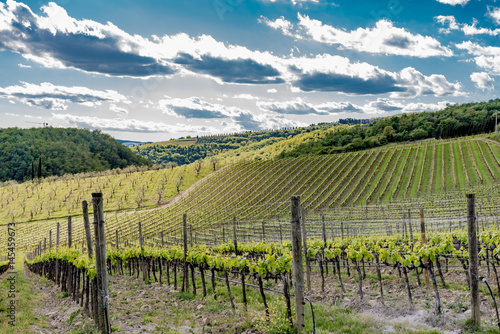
{"points": [[214, 162], [39, 167], [197, 166]]}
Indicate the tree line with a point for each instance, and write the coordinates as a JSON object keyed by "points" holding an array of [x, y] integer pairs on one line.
{"points": [[454, 121]]}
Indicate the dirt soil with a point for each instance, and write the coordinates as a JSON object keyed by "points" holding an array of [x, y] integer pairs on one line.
{"points": [[153, 308]]}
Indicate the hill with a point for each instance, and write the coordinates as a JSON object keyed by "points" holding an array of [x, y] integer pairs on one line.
{"points": [[454, 121], [254, 190], [62, 151], [344, 136], [187, 150]]}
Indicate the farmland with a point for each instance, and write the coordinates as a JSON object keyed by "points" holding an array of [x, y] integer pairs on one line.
{"points": [[256, 189], [360, 207]]}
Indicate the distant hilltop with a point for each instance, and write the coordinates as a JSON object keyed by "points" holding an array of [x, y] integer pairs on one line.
{"points": [[131, 143]]}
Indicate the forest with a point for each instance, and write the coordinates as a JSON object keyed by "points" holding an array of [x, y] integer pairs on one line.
{"points": [[454, 121], [60, 151]]}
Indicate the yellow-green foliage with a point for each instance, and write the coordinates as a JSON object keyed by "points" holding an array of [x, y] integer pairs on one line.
{"points": [[134, 187], [180, 142]]}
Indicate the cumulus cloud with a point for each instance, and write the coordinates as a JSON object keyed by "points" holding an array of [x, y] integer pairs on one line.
{"points": [[384, 105], [450, 23], [280, 24], [339, 74], [454, 2], [245, 97], [418, 84], [49, 96], [294, 107], [194, 107], [494, 13], [129, 125], [57, 40], [384, 38], [247, 120], [487, 57], [482, 80], [118, 110], [237, 119], [300, 107], [243, 71], [378, 106]]}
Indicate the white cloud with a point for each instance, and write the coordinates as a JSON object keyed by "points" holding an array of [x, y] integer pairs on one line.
{"points": [[454, 2], [447, 19], [280, 23], [494, 13], [301, 107], [467, 29], [132, 125], [55, 39], [272, 90], [336, 73], [482, 80], [420, 106], [118, 110], [419, 84], [378, 106], [294, 107], [384, 105], [194, 107], [247, 120], [24, 66], [384, 38], [245, 97], [487, 57], [49, 96]]}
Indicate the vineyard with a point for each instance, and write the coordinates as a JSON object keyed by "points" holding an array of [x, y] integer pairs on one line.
{"points": [[424, 257], [365, 184], [385, 226]]}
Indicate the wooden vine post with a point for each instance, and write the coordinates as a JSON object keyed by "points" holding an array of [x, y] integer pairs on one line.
{"points": [[102, 275], [423, 240], [90, 252], [298, 274], [473, 271], [235, 241], [58, 262], [304, 240], [185, 285], [69, 276]]}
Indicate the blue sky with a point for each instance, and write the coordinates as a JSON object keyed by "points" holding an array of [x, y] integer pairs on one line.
{"points": [[155, 70]]}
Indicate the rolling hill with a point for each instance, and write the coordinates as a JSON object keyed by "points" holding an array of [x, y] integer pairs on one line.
{"points": [[256, 190], [60, 151]]}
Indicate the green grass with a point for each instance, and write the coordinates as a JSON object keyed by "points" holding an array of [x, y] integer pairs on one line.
{"points": [[25, 298]]}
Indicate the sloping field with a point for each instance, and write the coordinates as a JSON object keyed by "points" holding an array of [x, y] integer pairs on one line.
{"points": [[255, 189]]}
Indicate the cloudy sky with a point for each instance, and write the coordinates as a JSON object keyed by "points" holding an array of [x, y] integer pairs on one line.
{"points": [[160, 69]]}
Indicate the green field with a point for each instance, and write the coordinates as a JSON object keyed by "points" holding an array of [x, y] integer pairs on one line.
{"points": [[430, 169]]}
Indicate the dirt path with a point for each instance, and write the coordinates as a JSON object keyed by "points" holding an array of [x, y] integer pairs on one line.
{"points": [[137, 307], [61, 314]]}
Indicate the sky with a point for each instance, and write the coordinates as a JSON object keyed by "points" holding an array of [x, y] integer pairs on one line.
{"points": [[160, 69]]}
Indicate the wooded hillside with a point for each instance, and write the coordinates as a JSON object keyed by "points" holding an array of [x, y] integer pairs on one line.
{"points": [[62, 151]]}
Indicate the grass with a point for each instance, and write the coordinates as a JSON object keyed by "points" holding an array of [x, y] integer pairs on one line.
{"points": [[25, 298]]}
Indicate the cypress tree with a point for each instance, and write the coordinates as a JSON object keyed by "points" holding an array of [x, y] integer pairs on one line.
{"points": [[40, 168], [32, 170]]}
